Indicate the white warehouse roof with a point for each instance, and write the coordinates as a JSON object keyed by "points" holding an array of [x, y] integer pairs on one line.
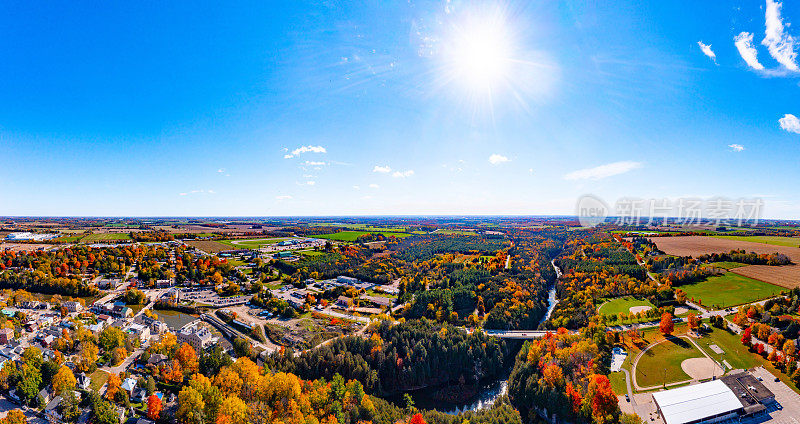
{"points": [[692, 403]]}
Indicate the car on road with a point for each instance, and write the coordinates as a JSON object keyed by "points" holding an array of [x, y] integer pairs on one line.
{"points": [[627, 398]]}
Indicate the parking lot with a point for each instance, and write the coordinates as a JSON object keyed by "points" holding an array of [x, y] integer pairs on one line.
{"points": [[786, 409]]}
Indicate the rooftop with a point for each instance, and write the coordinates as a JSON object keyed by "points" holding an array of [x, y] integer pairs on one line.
{"points": [[692, 403]]}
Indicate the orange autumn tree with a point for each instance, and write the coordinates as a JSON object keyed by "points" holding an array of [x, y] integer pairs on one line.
{"points": [[113, 386], [666, 326], [694, 323], [187, 357], [154, 407]]}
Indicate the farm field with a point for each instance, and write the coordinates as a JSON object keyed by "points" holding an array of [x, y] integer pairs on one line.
{"points": [[208, 246], [622, 304], [94, 238], [784, 276], [775, 240], [729, 289], [365, 227], [351, 236], [662, 362]]}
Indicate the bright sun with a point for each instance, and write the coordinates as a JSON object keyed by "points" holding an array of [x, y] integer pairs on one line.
{"points": [[479, 52]]}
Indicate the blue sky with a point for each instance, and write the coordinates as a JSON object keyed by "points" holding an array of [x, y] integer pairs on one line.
{"points": [[440, 107]]}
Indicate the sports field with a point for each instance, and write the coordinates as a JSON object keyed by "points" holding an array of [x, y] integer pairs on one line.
{"points": [[662, 362], [730, 289], [353, 235], [775, 240], [622, 304], [725, 265]]}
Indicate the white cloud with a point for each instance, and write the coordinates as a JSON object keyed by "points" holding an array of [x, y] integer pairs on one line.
{"points": [[496, 159], [382, 169], [182, 194], [197, 192], [790, 123], [603, 171], [403, 174], [314, 163], [310, 183], [305, 149], [736, 147], [283, 197], [355, 187], [373, 185], [779, 43], [221, 170], [706, 48], [744, 43]]}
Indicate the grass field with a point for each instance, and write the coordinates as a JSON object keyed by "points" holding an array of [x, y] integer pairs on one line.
{"points": [[68, 239], [364, 227], [776, 240], [353, 235], [662, 362], [725, 265], [622, 304], [98, 379], [730, 289], [94, 238]]}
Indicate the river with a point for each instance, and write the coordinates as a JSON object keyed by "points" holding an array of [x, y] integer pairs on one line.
{"points": [[489, 391]]}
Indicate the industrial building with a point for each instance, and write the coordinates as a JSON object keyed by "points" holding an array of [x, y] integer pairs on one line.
{"points": [[734, 396]]}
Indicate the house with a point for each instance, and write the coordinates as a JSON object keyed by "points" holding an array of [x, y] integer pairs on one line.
{"points": [[129, 385], [47, 340], [83, 382], [6, 335], [46, 394], [156, 359], [195, 335], [72, 306], [51, 412]]}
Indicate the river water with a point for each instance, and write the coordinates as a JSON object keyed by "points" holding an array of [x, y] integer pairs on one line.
{"points": [[490, 391]]}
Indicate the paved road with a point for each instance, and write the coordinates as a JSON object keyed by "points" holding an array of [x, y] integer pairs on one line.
{"points": [[520, 334], [630, 389], [124, 364]]}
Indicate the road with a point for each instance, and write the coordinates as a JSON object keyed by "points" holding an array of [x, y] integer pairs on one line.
{"points": [[230, 332], [124, 364], [520, 334]]}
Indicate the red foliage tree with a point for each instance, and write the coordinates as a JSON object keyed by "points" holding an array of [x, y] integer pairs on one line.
{"points": [[666, 326]]}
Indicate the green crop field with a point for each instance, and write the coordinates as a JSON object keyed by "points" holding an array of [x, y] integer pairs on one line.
{"points": [[353, 235], [94, 238], [730, 289], [776, 240], [725, 265], [662, 362], [622, 304]]}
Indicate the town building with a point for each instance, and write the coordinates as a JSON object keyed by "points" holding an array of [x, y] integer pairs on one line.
{"points": [[196, 335], [72, 306], [6, 335], [734, 396], [140, 332]]}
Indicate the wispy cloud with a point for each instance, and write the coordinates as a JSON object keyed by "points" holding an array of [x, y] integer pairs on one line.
{"points": [[355, 187], [403, 174], [706, 48], [373, 185], [790, 123], [221, 170], [314, 163], [736, 147], [197, 192], [744, 43], [304, 149], [779, 43], [382, 169], [496, 159], [283, 197], [603, 171]]}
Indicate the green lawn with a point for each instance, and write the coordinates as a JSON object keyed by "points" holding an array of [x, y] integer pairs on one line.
{"points": [[725, 265], [353, 235], [310, 252], [98, 379], [776, 240], [730, 289], [622, 304], [662, 362]]}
